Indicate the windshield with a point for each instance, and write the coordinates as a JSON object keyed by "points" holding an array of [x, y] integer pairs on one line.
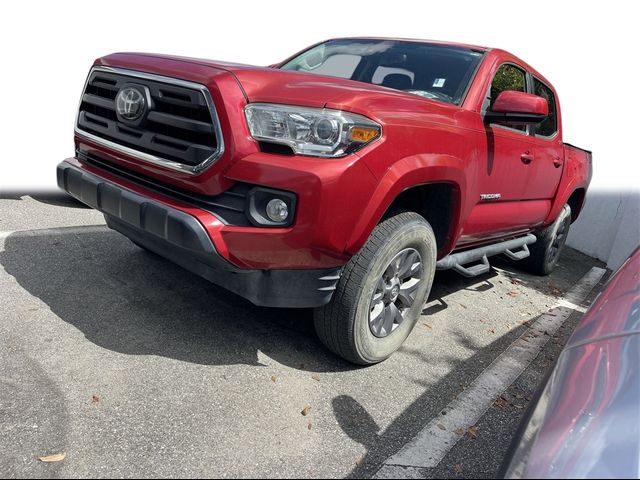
{"points": [[438, 72]]}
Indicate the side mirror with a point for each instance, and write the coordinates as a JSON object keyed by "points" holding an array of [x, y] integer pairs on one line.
{"points": [[518, 108]]}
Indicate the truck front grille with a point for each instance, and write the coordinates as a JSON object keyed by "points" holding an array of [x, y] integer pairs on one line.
{"points": [[178, 127]]}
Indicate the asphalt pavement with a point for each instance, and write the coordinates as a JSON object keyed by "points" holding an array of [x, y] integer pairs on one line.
{"points": [[133, 367]]}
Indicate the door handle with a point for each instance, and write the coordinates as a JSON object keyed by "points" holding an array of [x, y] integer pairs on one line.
{"points": [[557, 162], [526, 158]]}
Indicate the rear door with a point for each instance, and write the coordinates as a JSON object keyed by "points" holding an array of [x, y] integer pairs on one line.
{"points": [[548, 154]]}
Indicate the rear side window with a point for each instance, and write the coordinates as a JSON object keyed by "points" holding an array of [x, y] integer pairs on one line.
{"points": [[508, 77], [548, 126]]}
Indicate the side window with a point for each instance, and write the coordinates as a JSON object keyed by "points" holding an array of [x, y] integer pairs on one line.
{"points": [[508, 77], [549, 125]]}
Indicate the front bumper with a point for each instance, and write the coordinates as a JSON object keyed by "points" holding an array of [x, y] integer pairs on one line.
{"points": [[181, 238]]}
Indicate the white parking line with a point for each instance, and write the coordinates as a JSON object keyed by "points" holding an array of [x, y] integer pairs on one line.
{"points": [[430, 446]]}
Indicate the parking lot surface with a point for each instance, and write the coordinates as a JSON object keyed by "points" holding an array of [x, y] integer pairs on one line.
{"points": [[134, 367]]}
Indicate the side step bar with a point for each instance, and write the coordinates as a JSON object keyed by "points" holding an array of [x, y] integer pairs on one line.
{"points": [[456, 261]]}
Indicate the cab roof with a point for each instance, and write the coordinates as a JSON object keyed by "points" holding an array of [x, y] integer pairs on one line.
{"points": [[416, 40]]}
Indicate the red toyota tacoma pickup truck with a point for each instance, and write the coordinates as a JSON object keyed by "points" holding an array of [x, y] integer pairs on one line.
{"points": [[339, 179]]}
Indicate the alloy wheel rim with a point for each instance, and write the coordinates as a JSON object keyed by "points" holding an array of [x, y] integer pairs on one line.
{"points": [[395, 292]]}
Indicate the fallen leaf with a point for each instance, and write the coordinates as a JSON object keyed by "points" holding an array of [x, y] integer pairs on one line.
{"points": [[459, 431], [305, 411], [473, 432], [56, 457], [528, 398], [316, 377], [513, 294], [309, 426], [463, 306], [95, 399], [441, 427], [458, 468], [556, 291], [428, 326], [274, 379], [501, 403]]}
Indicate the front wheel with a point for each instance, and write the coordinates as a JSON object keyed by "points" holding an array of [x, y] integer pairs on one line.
{"points": [[381, 293], [545, 253]]}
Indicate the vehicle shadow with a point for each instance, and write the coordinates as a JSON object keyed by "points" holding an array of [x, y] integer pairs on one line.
{"points": [[134, 302], [447, 282]]}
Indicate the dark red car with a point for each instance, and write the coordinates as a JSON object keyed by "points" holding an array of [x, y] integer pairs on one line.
{"points": [[339, 179], [586, 421]]}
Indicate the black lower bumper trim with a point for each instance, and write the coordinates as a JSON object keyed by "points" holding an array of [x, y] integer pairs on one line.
{"points": [[182, 239]]}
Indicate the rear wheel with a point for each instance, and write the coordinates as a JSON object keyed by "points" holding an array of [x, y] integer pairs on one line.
{"points": [[381, 293], [545, 253]]}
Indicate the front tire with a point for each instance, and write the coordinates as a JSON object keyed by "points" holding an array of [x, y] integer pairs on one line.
{"points": [[545, 253], [381, 292]]}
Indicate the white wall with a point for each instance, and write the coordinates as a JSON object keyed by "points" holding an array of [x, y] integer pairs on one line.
{"points": [[46, 49], [609, 226]]}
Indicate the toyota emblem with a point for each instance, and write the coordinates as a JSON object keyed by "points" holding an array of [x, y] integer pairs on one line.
{"points": [[130, 103]]}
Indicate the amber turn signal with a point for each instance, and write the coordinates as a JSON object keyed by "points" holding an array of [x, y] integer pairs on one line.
{"points": [[364, 134]]}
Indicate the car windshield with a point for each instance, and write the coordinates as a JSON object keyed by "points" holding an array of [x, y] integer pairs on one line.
{"points": [[438, 72]]}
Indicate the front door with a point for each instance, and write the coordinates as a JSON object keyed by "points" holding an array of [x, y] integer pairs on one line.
{"points": [[504, 179]]}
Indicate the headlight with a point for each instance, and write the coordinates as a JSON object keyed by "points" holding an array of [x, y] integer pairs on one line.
{"points": [[310, 131]]}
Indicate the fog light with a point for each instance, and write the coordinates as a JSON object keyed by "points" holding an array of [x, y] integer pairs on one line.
{"points": [[267, 207], [277, 210]]}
